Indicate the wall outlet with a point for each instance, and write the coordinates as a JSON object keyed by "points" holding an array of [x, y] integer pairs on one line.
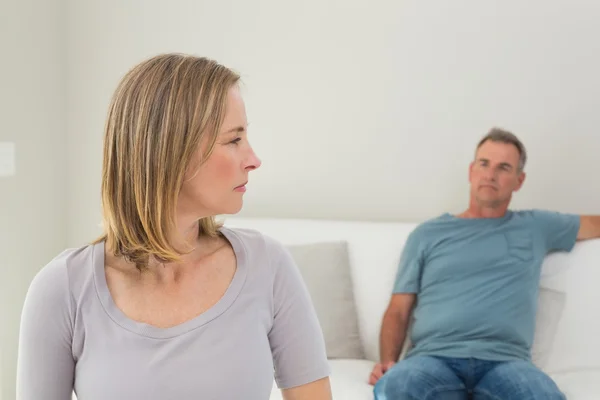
{"points": [[7, 159]]}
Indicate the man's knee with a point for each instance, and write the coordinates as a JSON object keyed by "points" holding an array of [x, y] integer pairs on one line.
{"points": [[400, 382], [417, 378], [538, 384], [519, 379]]}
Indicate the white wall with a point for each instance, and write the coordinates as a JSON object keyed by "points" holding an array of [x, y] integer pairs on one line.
{"points": [[362, 109], [32, 203]]}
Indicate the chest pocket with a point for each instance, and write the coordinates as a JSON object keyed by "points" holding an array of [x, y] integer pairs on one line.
{"points": [[520, 245]]}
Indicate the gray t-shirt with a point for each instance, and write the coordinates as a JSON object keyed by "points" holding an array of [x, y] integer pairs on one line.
{"points": [[73, 337]]}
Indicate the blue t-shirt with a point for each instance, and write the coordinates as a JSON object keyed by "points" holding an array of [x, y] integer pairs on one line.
{"points": [[477, 281]]}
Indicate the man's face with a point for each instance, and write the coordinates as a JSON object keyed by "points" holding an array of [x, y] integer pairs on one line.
{"points": [[494, 174]]}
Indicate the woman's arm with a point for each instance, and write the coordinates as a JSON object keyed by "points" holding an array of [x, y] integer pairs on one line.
{"points": [[297, 344], [317, 390], [45, 364]]}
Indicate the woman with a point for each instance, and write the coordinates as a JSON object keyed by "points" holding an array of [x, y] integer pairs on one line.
{"points": [[168, 304]]}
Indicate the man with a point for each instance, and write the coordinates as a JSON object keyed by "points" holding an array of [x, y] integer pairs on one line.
{"points": [[473, 280]]}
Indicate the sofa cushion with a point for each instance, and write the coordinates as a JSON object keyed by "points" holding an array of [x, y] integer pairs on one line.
{"points": [[551, 304], [583, 384], [325, 268]]}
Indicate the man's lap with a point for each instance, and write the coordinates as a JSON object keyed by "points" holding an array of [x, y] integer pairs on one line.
{"points": [[422, 378], [426, 377]]}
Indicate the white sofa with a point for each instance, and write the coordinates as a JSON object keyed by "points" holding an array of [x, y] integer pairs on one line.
{"points": [[374, 249]]}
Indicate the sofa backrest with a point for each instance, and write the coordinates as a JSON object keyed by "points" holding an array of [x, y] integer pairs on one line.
{"points": [[375, 249]]}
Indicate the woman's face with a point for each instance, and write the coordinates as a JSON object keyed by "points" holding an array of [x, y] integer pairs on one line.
{"points": [[218, 186]]}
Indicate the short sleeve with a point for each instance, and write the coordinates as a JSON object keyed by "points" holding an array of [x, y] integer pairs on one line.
{"points": [[296, 338], [410, 267], [558, 230], [45, 366]]}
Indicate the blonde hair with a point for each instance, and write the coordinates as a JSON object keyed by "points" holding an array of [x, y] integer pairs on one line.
{"points": [[160, 113]]}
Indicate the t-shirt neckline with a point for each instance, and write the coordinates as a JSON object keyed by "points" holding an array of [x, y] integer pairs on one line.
{"points": [[155, 332], [507, 215]]}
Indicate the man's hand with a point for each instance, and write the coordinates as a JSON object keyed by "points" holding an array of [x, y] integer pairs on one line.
{"points": [[379, 370]]}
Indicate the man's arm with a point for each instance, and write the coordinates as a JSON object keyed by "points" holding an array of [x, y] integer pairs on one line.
{"points": [[397, 316], [393, 333], [394, 326], [589, 227]]}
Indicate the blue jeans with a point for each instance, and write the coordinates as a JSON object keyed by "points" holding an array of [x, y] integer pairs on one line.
{"points": [[429, 378]]}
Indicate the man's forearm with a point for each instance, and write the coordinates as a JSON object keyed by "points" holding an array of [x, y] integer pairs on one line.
{"points": [[393, 333], [589, 227]]}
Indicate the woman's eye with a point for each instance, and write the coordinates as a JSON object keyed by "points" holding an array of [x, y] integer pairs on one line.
{"points": [[235, 141]]}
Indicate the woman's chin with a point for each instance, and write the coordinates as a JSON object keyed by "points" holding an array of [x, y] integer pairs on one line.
{"points": [[231, 209]]}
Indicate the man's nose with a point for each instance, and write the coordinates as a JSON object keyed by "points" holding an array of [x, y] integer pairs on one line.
{"points": [[490, 173]]}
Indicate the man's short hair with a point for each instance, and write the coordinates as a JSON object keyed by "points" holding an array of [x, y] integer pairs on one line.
{"points": [[504, 136]]}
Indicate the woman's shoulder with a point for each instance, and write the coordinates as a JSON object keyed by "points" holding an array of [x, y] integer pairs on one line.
{"points": [[257, 247], [254, 240], [66, 272], [52, 292]]}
